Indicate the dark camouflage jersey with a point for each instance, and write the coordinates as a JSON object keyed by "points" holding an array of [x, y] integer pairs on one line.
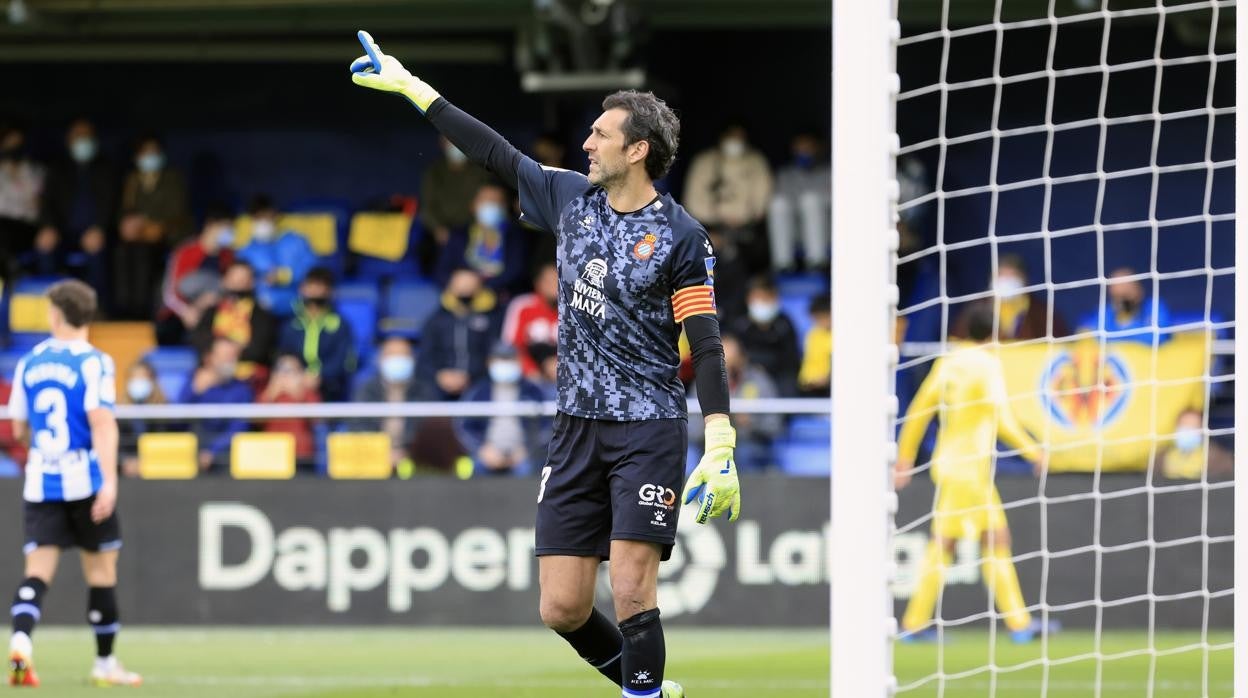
{"points": [[625, 283]]}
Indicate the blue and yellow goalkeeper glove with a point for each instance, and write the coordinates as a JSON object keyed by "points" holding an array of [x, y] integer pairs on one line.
{"points": [[378, 71], [714, 482]]}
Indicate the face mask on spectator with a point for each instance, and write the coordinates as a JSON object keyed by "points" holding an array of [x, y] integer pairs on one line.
{"points": [[733, 147], [227, 370], [82, 149], [239, 294], [764, 312], [505, 371], [804, 160], [491, 214], [1187, 440], [263, 230], [455, 155], [150, 162], [397, 369], [1008, 286], [139, 389], [225, 238]]}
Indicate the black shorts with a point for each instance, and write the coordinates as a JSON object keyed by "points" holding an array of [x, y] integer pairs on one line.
{"points": [[606, 481], [69, 525]]}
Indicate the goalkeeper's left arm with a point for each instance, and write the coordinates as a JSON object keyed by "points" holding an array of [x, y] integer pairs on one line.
{"points": [[714, 482]]}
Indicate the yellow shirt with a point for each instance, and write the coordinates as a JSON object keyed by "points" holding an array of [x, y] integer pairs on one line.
{"points": [[816, 358], [967, 388]]}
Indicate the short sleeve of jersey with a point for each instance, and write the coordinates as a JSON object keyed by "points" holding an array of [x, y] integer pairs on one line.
{"points": [[99, 382], [17, 398], [545, 191], [693, 274]]}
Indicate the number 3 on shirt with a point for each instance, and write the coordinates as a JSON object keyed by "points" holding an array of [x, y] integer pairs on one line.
{"points": [[54, 439], [541, 491]]}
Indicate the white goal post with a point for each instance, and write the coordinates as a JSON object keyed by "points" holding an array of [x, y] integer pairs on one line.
{"points": [[864, 147], [864, 298]]}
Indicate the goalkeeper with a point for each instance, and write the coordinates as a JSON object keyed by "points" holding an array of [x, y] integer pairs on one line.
{"points": [[967, 387], [633, 268]]}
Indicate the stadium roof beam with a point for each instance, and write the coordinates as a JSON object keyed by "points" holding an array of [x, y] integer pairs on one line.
{"points": [[68, 51]]}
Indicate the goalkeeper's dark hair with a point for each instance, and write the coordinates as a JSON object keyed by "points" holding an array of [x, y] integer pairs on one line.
{"points": [[980, 321], [651, 120]]}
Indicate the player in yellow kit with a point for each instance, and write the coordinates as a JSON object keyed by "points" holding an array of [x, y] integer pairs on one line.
{"points": [[967, 389]]}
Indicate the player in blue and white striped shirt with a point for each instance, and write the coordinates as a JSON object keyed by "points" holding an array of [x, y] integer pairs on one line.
{"points": [[63, 395]]}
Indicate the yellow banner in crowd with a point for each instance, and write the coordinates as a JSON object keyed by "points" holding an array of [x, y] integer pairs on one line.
{"points": [[1110, 411]]}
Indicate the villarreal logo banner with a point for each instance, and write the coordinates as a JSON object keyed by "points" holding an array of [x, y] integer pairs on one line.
{"points": [[1105, 406]]}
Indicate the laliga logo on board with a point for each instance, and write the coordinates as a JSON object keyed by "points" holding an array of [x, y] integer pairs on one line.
{"points": [[1081, 388]]}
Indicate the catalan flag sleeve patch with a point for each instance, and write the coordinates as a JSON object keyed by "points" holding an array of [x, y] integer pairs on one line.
{"points": [[693, 300]]}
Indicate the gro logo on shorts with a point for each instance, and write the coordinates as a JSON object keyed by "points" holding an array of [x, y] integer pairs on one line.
{"points": [[656, 494]]}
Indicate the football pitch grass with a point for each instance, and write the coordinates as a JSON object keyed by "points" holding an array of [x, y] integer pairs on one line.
{"points": [[532, 663]]}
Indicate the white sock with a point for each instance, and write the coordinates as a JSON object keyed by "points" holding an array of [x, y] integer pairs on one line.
{"points": [[20, 642], [105, 664]]}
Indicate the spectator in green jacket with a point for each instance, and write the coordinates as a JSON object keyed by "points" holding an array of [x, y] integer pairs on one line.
{"points": [[321, 337]]}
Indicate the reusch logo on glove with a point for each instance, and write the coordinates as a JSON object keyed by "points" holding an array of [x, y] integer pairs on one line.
{"points": [[651, 494]]}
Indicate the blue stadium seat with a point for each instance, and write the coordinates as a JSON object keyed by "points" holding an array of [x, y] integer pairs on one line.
{"points": [[173, 366], [808, 285], [409, 303], [809, 459], [797, 308], [358, 302], [810, 429]]}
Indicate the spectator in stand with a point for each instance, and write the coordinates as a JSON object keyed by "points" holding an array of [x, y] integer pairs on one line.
{"points": [[142, 388], [768, 337], [802, 208], [533, 318], [815, 377], [395, 381], [456, 340], [193, 277], [158, 193], [214, 383], [447, 191], [80, 205], [21, 186], [729, 187], [504, 445], [321, 337], [44, 258], [281, 258], [239, 318], [492, 245], [1023, 315], [547, 376], [290, 385], [1128, 312], [136, 273], [755, 432]]}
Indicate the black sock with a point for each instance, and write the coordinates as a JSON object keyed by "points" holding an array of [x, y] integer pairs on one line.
{"points": [[599, 642], [27, 602], [102, 615], [644, 654]]}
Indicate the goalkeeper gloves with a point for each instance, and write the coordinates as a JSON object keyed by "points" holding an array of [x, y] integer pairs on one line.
{"points": [[381, 72], [714, 482]]}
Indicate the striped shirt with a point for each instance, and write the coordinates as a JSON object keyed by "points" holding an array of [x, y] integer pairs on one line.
{"points": [[54, 389]]}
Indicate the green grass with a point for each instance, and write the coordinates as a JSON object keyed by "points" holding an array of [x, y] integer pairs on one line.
{"points": [[511, 663]]}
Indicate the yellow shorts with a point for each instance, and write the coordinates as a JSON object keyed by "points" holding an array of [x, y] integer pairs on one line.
{"points": [[966, 510]]}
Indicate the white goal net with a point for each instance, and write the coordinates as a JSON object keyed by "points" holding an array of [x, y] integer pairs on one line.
{"points": [[1065, 268]]}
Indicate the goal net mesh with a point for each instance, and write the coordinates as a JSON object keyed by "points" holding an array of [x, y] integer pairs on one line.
{"points": [[1066, 169]]}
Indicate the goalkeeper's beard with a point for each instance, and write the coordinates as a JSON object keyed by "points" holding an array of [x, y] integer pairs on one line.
{"points": [[608, 178]]}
